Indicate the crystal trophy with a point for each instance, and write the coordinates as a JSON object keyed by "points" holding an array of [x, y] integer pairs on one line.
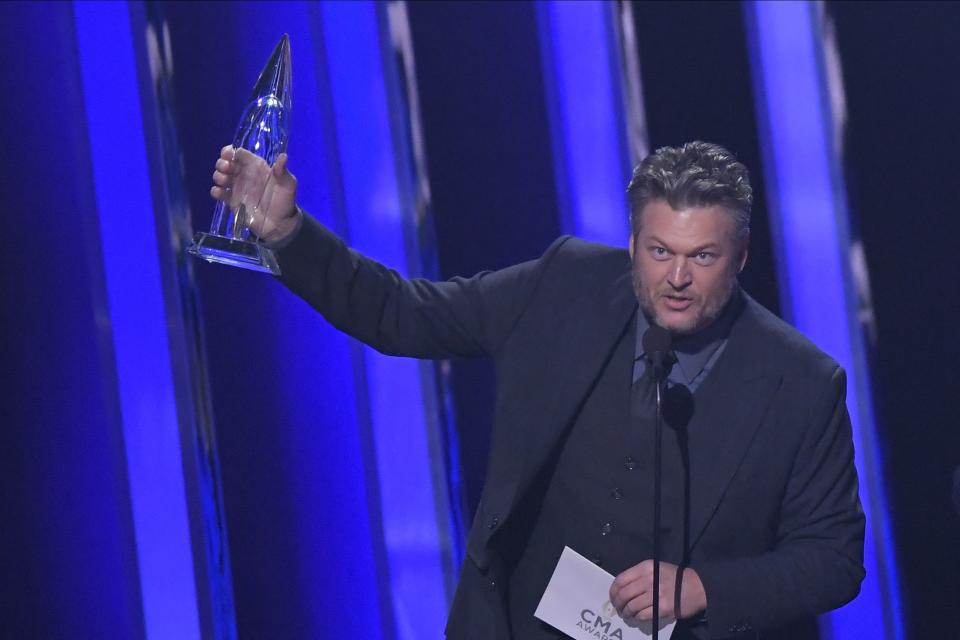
{"points": [[263, 131]]}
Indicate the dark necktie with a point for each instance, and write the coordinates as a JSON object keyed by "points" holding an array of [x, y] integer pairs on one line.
{"points": [[643, 395]]}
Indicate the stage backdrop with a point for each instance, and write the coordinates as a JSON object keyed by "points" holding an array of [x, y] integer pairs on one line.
{"points": [[188, 451]]}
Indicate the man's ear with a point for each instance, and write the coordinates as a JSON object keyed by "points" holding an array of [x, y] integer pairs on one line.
{"points": [[633, 242], [744, 250]]}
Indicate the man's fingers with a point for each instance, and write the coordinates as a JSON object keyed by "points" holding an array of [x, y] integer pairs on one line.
{"points": [[642, 609], [645, 614], [636, 572], [620, 596], [635, 607], [632, 592], [222, 179], [642, 572], [223, 174], [225, 166], [631, 583], [280, 173], [280, 166]]}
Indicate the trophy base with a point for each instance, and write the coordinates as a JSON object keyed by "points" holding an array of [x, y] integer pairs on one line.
{"points": [[238, 253]]}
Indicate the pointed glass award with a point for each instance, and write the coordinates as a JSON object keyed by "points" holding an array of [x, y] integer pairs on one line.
{"points": [[263, 131]]}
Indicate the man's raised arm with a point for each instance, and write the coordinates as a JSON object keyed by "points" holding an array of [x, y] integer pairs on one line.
{"points": [[462, 317]]}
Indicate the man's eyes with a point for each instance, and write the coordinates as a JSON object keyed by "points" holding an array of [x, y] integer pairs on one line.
{"points": [[705, 257], [701, 257]]}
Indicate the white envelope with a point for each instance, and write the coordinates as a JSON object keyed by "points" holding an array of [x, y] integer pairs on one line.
{"points": [[577, 602]]}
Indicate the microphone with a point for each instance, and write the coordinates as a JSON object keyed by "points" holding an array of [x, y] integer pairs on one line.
{"points": [[657, 344]]}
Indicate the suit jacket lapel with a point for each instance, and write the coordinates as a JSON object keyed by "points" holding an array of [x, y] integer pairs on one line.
{"points": [[722, 429]]}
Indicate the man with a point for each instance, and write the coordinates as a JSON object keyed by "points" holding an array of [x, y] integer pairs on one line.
{"points": [[762, 526]]}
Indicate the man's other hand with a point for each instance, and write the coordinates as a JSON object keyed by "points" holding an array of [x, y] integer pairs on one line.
{"points": [[681, 592], [267, 196]]}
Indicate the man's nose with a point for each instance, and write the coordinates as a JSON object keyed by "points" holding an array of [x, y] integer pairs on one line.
{"points": [[679, 276]]}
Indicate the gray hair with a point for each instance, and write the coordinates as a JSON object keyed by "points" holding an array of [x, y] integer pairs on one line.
{"points": [[698, 174]]}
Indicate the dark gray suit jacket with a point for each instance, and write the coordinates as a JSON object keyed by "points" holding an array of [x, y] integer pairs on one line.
{"points": [[776, 527]]}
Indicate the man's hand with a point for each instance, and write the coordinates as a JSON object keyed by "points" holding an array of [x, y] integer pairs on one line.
{"points": [[267, 196], [681, 592]]}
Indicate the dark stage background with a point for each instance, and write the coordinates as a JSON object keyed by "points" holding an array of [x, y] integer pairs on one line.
{"points": [[301, 521]]}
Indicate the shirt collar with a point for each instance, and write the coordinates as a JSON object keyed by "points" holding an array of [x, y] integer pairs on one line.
{"points": [[694, 351]]}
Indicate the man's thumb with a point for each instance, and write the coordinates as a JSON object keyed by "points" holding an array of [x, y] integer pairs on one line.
{"points": [[280, 169]]}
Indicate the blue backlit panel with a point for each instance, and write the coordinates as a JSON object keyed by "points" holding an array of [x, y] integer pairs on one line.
{"points": [[318, 430], [376, 218], [137, 319], [810, 220], [586, 124]]}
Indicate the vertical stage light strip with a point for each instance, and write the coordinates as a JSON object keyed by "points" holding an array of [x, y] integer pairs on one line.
{"points": [[421, 248], [411, 518], [631, 83], [321, 444], [810, 223], [137, 319], [213, 573], [584, 104]]}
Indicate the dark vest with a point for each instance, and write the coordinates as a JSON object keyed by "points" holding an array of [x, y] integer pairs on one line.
{"points": [[596, 494]]}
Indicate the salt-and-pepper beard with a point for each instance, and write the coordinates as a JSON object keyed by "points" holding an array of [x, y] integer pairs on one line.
{"points": [[707, 315]]}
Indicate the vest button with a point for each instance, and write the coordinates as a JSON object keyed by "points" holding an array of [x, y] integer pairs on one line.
{"points": [[494, 521], [616, 494], [629, 463], [606, 528]]}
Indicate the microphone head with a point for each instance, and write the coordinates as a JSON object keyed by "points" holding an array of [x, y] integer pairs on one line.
{"points": [[657, 343], [656, 339]]}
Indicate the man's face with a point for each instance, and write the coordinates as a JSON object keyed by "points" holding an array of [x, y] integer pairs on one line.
{"points": [[685, 264]]}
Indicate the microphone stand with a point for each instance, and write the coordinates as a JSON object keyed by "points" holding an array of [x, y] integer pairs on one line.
{"points": [[659, 378], [657, 346]]}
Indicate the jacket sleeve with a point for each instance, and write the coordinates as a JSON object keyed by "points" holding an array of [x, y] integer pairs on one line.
{"points": [[817, 562], [462, 317]]}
